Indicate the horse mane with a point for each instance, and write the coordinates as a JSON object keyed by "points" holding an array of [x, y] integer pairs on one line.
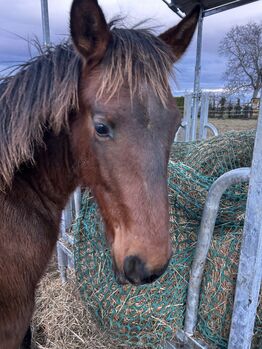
{"points": [[39, 96], [43, 92]]}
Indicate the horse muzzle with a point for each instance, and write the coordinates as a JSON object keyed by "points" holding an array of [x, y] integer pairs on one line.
{"points": [[136, 273]]}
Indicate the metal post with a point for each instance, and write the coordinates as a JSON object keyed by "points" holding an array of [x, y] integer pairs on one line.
{"points": [[64, 258], [203, 116], [250, 265], [196, 93], [204, 239], [77, 202], [204, 124], [45, 22], [62, 262], [186, 122]]}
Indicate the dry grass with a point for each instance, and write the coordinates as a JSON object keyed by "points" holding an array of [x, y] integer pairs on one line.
{"points": [[234, 124], [225, 125], [61, 321]]}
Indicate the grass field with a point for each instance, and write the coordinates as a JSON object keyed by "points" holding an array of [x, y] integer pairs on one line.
{"points": [[233, 124], [226, 125]]}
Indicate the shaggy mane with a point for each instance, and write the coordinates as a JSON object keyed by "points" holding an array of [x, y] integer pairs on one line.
{"points": [[39, 96], [44, 91]]}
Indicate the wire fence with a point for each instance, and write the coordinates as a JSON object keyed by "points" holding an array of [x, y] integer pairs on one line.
{"points": [[221, 108]]}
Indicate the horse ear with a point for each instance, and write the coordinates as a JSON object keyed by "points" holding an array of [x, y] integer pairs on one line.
{"points": [[89, 30], [179, 37]]}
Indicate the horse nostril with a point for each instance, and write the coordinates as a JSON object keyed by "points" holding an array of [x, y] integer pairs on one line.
{"points": [[134, 269], [137, 273]]}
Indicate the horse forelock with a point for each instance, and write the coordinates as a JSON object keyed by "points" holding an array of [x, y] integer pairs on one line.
{"points": [[139, 58]]}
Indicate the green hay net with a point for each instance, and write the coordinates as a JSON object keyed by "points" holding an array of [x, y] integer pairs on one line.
{"points": [[146, 316]]}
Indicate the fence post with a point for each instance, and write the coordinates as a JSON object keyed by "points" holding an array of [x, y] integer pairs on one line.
{"points": [[186, 122], [45, 22], [203, 116], [196, 94], [249, 276]]}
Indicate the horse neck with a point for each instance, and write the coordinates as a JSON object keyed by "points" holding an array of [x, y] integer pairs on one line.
{"points": [[52, 177]]}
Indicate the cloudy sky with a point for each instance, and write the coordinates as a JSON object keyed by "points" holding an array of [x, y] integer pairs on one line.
{"points": [[20, 21]]}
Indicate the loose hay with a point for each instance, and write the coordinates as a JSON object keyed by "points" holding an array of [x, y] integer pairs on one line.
{"points": [[61, 321], [145, 316]]}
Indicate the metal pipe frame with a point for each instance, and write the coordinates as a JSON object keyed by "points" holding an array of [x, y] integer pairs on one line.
{"points": [[204, 239], [212, 128], [249, 277], [203, 116], [65, 256], [223, 8], [186, 124], [77, 202], [174, 8], [204, 124], [62, 261], [182, 340], [210, 11], [45, 22], [196, 92]]}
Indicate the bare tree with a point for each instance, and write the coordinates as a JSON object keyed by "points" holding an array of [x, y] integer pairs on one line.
{"points": [[242, 46]]}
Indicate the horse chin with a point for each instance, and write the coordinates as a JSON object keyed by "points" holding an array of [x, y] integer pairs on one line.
{"points": [[121, 279], [119, 276]]}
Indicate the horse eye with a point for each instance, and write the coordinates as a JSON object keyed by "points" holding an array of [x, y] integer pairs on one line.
{"points": [[102, 130]]}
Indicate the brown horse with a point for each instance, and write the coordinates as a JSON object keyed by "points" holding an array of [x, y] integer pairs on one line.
{"points": [[106, 121]]}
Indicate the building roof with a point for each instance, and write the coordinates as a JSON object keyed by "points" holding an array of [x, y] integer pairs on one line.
{"points": [[210, 7]]}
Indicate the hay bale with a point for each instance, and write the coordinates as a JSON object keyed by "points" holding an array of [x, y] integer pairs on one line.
{"points": [[217, 155], [138, 316], [145, 316], [188, 191], [180, 150]]}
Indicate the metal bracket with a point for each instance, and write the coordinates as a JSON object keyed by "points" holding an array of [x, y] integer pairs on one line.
{"points": [[184, 341]]}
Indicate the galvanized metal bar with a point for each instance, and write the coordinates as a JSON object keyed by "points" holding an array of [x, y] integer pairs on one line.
{"points": [[183, 341], [45, 22], [68, 213], [62, 226], [67, 217], [196, 93], [187, 117], [176, 139], [212, 128], [249, 276], [69, 254], [203, 116], [62, 261], [174, 8], [63, 257], [65, 224], [204, 239], [77, 201], [186, 121], [229, 6]]}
